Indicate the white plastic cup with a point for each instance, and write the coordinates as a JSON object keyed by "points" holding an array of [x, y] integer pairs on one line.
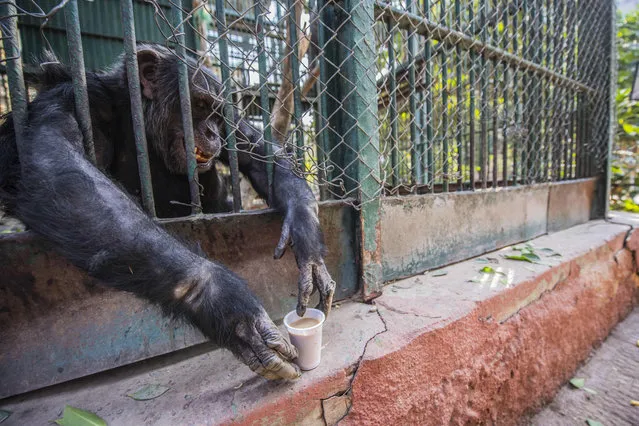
{"points": [[308, 341]]}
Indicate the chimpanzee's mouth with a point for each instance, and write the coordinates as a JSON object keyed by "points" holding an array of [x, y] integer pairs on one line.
{"points": [[204, 161]]}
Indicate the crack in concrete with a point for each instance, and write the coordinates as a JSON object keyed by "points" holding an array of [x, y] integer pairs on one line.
{"points": [[357, 364], [401, 312]]}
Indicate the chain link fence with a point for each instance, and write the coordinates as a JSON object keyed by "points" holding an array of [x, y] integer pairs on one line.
{"points": [[369, 98]]}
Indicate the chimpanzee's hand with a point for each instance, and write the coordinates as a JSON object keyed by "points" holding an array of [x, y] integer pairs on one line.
{"points": [[302, 231], [224, 308], [262, 347]]}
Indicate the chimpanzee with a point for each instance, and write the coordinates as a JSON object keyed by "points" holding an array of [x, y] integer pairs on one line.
{"points": [[51, 186]]}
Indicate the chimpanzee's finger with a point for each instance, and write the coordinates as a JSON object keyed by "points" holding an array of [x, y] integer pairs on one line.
{"points": [[274, 339], [326, 287], [285, 237], [304, 288], [271, 360], [253, 362]]}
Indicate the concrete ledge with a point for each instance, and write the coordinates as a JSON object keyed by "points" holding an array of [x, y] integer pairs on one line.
{"points": [[456, 348]]}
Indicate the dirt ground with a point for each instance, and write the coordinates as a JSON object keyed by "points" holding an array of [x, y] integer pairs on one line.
{"points": [[612, 379]]}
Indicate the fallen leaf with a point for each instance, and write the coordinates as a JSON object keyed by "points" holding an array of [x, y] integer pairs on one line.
{"points": [[590, 391], [4, 415], [592, 422], [525, 257], [439, 273], [72, 416], [148, 392], [490, 270], [634, 403], [550, 252], [578, 382]]}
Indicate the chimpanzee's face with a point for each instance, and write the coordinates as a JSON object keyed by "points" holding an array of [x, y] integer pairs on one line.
{"points": [[163, 117]]}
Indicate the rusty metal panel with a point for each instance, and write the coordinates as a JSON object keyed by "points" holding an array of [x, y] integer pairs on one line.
{"points": [[57, 324]]}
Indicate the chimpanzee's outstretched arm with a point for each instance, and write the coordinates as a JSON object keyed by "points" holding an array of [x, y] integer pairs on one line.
{"points": [[96, 226], [293, 198]]}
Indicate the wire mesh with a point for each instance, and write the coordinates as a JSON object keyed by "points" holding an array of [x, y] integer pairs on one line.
{"points": [[470, 94]]}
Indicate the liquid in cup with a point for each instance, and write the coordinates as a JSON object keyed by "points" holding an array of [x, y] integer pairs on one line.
{"points": [[306, 335]]}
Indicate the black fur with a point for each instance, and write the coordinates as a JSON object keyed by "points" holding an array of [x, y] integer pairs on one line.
{"points": [[76, 206]]}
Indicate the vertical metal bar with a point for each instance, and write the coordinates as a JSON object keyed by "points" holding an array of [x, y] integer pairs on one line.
{"points": [[505, 94], [220, 17], [444, 71], [185, 105], [137, 115], [76, 59], [495, 106], [15, 76], [549, 109], [295, 73], [517, 140], [392, 87], [612, 106], [360, 117], [323, 101], [483, 153], [412, 100], [525, 151], [428, 57], [260, 11], [471, 107], [460, 103]]}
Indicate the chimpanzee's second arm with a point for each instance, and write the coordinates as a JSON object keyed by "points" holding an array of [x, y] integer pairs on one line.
{"points": [[293, 198]]}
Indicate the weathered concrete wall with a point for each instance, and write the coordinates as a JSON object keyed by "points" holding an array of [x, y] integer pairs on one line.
{"points": [[459, 348], [57, 324], [428, 231]]}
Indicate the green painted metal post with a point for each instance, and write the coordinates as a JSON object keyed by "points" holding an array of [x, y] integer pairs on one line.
{"points": [[78, 77], [360, 119], [15, 77]]}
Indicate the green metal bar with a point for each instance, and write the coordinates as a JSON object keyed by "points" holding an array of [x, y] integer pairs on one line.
{"points": [[505, 94], [322, 89], [392, 84], [295, 73], [229, 119], [612, 123], [260, 11], [360, 117], [80, 94], [483, 149], [427, 28], [494, 110], [526, 153], [549, 109], [185, 105], [444, 118], [412, 101], [430, 162], [139, 131], [460, 104], [15, 76], [516, 105], [471, 107]]}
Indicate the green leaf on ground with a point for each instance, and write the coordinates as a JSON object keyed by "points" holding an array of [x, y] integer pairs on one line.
{"points": [[76, 417], [524, 257], [148, 392], [592, 422], [490, 270], [550, 252], [578, 382], [4, 415], [439, 273]]}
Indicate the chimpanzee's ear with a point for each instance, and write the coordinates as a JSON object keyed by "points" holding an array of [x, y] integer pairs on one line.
{"points": [[148, 60]]}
